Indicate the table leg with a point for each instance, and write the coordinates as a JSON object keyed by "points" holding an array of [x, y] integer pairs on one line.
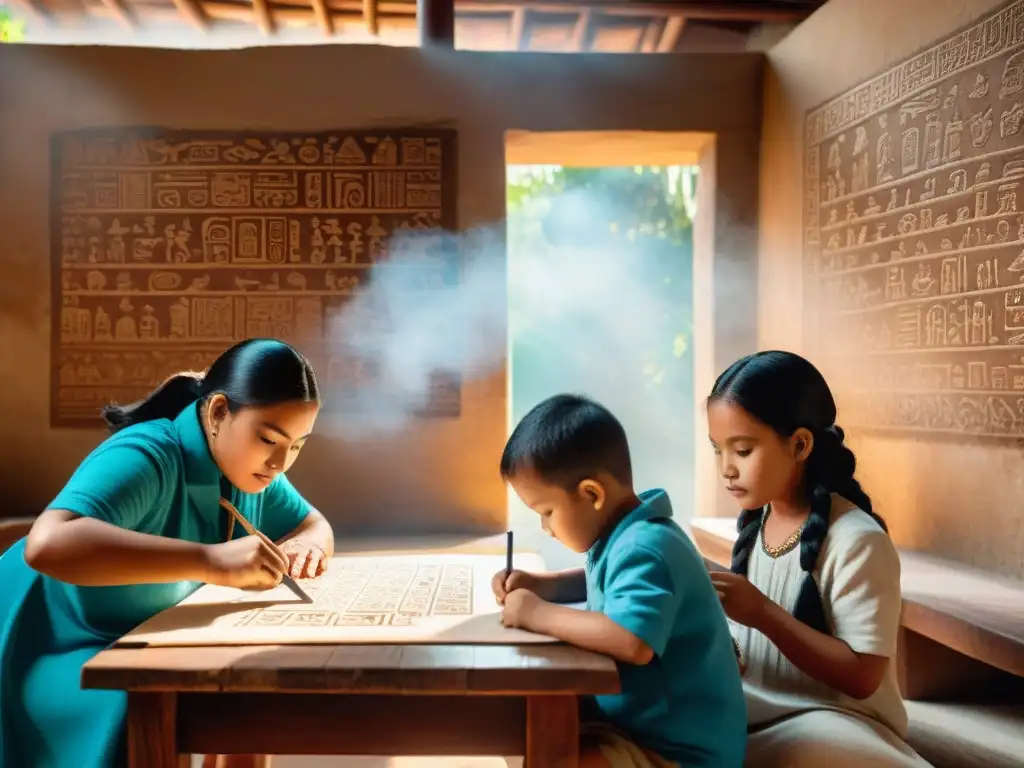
{"points": [[552, 732], [152, 730]]}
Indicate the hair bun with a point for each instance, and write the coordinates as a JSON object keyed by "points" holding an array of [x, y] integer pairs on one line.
{"points": [[194, 381], [837, 432]]}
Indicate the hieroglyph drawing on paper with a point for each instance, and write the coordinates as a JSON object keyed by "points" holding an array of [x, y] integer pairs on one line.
{"points": [[376, 593], [168, 246], [914, 238], [388, 599]]}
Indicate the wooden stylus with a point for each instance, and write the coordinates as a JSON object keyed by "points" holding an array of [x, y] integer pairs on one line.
{"points": [[286, 579]]}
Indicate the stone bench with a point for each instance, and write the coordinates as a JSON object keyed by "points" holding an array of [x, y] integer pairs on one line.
{"points": [[960, 655], [951, 735]]}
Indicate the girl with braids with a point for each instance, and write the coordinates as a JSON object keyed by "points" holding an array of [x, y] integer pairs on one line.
{"points": [[814, 588], [138, 527]]}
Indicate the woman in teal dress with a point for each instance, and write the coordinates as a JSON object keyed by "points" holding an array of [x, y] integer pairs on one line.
{"points": [[138, 527]]}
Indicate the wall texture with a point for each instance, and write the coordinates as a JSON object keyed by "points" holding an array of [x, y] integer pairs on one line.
{"points": [[441, 475], [951, 497]]}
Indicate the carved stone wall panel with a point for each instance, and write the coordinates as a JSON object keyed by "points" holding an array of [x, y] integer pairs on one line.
{"points": [[168, 246], [914, 238]]}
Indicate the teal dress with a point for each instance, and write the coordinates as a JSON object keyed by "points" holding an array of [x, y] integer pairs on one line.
{"points": [[158, 478]]}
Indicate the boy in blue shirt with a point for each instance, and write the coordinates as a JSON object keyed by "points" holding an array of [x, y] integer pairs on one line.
{"points": [[650, 602]]}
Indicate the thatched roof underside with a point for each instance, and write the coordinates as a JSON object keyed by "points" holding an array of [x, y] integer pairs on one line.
{"points": [[569, 26]]}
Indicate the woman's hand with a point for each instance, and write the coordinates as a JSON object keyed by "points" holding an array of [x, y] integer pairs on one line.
{"points": [[245, 563], [504, 582], [306, 560], [742, 601]]}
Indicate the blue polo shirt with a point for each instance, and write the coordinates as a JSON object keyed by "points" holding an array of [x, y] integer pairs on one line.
{"points": [[687, 703]]}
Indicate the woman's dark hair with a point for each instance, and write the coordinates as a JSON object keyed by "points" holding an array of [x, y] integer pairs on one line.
{"points": [[786, 392], [254, 372]]}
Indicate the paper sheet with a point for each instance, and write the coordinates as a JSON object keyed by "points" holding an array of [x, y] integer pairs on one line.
{"points": [[390, 599]]}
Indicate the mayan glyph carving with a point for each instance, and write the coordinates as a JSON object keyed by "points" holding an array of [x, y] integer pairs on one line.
{"points": [[170, 246], [914, 238]]}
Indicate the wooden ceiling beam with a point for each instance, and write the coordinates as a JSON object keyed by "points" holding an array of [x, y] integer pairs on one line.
{"points": [[436, 22], [435, 19], [670, 35], [649, 39], [261, 12], [662, 9], [323, 17], [370, 17], [120, 12], [580, 32], [190, 10], [726, 10], [736, 10], [517, 31], [219, 10]]}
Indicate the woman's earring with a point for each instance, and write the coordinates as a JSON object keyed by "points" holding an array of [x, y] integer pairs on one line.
{"points": [[212, 423]]}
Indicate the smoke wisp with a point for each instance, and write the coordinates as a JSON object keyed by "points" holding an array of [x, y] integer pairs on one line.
{"points": [[587, 312]]}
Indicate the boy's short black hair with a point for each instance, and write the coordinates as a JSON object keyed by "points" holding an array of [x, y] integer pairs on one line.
{"points": [[566, 439]]}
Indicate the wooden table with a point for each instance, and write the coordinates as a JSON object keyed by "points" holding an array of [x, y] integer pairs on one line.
{"points": [[353, 700]]}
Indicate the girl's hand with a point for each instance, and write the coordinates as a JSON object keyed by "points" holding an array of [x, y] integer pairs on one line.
{"points": [[305, 559], [520, 609], [503, 582], [245, 563], [742, 601]]}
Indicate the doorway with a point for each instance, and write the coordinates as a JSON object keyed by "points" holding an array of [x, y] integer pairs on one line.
{"points": [[600, 276]]}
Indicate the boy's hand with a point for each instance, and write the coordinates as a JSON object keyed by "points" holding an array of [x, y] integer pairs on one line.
{"points": [[503, 583], [520, 609]]}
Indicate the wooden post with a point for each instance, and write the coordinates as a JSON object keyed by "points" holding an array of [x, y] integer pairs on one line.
{"points": [[152, 730], [436, 22], [552, 732]]}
